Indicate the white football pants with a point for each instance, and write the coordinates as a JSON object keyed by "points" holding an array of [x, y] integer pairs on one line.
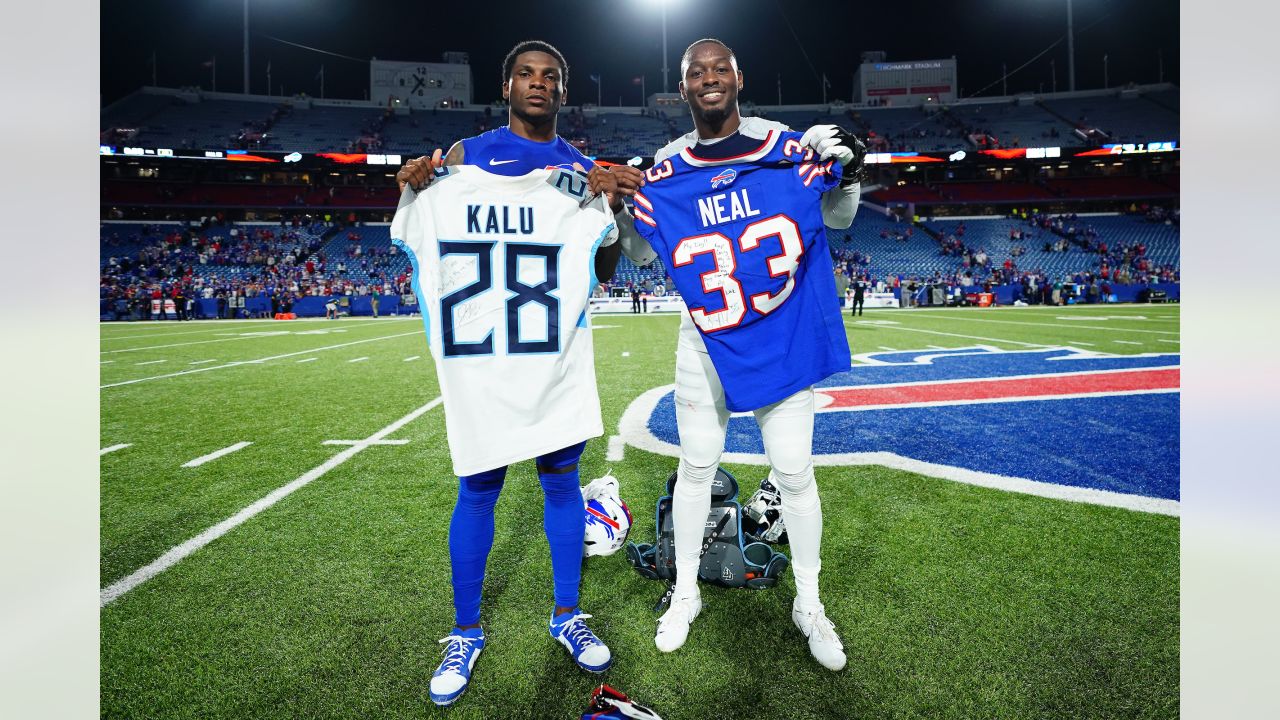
{"points": [[787, 429]]}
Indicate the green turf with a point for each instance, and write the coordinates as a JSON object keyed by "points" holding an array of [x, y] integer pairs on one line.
{"points": [[953, 601]]}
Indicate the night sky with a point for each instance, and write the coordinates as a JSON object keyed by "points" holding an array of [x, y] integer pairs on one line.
{"points": [[622, 39]]}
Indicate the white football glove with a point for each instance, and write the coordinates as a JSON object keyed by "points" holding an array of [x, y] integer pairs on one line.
{"points": [[825, 140]]}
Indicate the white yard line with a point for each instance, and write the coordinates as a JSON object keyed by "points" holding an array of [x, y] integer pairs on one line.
{"points": [[176, 554], [1077, 342], [885, 347], [253, 336], [1126, 342], [106, 362], [903, 328], [113, 448], [148, 336], [616, 449], [954, 316], [1172, 342], [935, 347], [359, 359], [150, 362], [626, 354], [366, 442], [415, 357], [216, 454], [308, 360], [201, 362], [258, 361]]}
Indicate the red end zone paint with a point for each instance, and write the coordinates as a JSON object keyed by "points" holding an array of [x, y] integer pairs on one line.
{"points": [[995, 389]]}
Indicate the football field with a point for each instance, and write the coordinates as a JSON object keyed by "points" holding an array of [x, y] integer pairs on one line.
{"points": [[999, 488]]}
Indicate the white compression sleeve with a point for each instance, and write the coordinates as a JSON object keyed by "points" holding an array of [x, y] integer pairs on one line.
{"points": [[839, 205]]}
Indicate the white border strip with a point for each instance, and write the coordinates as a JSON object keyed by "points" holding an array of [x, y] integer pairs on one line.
{"points": [[113, 448], [635, 431], [217, 454], [176, 554]]}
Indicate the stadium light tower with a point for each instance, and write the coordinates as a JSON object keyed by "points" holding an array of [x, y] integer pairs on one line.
{"points": [[663, 5], [246, 49], [1071, 50]]}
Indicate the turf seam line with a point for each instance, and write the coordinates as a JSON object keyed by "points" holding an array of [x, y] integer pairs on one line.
{"points": [[176, 554], [1072, 324], [258, 361]]}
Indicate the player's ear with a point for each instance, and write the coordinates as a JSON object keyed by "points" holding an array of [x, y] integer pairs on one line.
{"points": [[739, 80], [680, 87], [506, 89]]}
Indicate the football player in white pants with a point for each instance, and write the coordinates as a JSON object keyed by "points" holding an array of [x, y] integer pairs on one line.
{"points": [[787, 429], [710, 85]]}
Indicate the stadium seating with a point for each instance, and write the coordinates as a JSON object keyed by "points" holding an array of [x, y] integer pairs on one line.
{"points": [[167, 121], [1122, 120], [320, 128]]}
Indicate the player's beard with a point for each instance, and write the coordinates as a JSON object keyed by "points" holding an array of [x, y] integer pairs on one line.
{"points": [[715, 116]]}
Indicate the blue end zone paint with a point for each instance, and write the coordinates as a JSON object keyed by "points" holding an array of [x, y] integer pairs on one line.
{"points": [[1121, 443]]}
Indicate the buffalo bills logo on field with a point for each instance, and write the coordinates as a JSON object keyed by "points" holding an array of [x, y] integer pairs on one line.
{"points": [[724, 179], [1057, 422]]}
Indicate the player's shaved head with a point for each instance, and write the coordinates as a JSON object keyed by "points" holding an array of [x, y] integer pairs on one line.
{"points": [[688, 53], [509, 63]]}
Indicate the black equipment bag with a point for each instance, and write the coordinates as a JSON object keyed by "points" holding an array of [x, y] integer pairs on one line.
{"points": [[733, 559]]}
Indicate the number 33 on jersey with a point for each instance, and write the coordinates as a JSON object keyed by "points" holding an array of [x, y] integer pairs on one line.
{"points": [[503, 268], [744, 242]]}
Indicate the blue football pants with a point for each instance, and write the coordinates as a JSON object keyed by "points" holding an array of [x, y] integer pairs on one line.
{"points": [[471, 530]]}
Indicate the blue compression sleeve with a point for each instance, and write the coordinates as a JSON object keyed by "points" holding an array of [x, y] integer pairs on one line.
{"points": [[471, 538], [564, 521]]}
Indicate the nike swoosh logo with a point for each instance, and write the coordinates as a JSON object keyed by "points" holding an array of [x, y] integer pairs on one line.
{"points": [[499, 162]]}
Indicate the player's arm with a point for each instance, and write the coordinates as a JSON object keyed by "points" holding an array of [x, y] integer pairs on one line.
{"points": [[635, 247], [839, 204], [616, 183], [419, 172]]}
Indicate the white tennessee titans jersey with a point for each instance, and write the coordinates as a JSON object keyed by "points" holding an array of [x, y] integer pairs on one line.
{"points": [[503, 267]]}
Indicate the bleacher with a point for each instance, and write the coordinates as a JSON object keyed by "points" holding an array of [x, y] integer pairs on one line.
{"points": [[992, 235], [375, 238], [319, 128], [1124, 120], [916, 255], [206, 124]]}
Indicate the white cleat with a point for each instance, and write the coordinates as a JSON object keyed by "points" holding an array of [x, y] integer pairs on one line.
{"points": [[673, 626], [824, 643]]}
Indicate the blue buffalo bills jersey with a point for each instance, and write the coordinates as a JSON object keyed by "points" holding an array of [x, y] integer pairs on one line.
{"points": [[744, 241], [502, 152]]}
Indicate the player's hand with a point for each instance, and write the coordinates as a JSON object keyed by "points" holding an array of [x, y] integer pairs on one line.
{"points": [[833, 141], [419, 172], [600, 180]]}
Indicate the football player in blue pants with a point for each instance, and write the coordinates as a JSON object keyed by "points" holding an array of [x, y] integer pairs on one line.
{"points": [[534, 76], [710, 84]]}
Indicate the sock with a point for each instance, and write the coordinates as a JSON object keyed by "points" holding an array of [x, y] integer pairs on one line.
{"points": [[563, 520], [470, 539], [690, 505], [802, 513]]}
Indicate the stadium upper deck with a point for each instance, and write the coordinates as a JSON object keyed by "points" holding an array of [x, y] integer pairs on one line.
{"points": [[156, 117]]}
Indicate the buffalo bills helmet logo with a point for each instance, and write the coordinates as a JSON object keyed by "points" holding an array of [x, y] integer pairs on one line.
{"points": [[1058, 422], [724, 179]]}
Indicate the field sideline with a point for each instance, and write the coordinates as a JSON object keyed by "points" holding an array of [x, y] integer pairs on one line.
{"points": [[275, 499]]}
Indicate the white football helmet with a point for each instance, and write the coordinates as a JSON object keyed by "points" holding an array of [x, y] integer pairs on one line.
{"points": [[608, 518]]}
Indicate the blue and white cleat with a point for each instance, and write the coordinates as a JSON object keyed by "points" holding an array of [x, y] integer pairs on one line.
{"points": [[586, 649], [450, 679]]}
